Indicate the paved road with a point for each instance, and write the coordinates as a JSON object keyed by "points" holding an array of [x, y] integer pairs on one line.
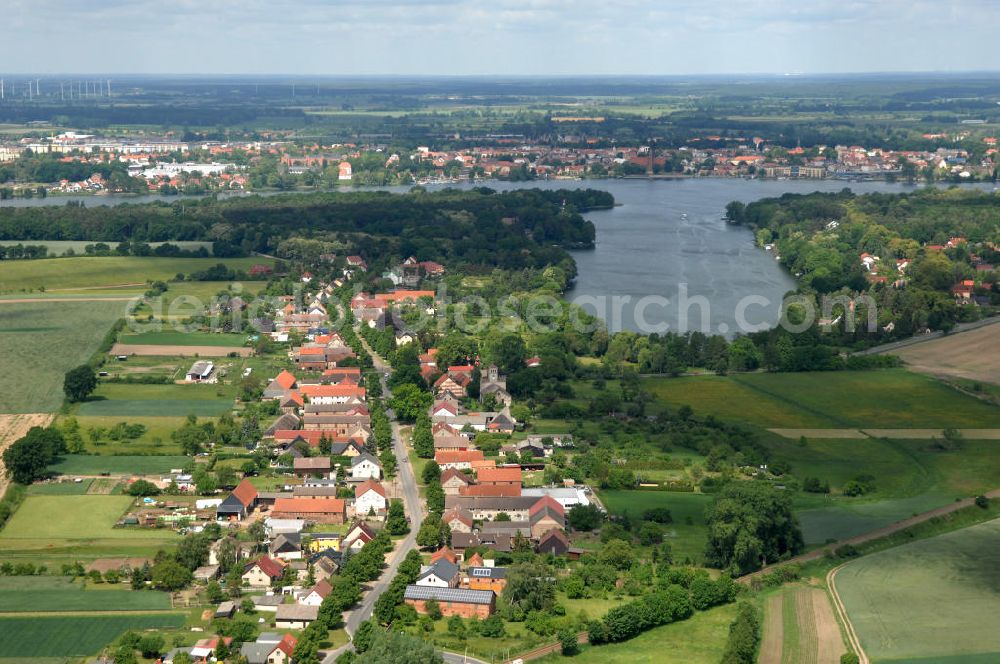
{"points": [[414, 510]]}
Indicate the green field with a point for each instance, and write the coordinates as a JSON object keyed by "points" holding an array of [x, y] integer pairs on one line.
{"points": [[892, 398], [911, 477], [177, 338], [697, 640], [58, 247], [94, 271], [56, 529], [686, 539], [40, 342], [72, 636], [950, 582], [156, 439], [48, 594], [81, 464], [122, 401], [60, 488]]}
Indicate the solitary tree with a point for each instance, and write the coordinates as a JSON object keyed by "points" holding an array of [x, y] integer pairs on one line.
{"points": [[79, 383]]}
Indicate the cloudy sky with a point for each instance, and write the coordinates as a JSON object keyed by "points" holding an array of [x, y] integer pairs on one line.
{"points": [[440, 37]]}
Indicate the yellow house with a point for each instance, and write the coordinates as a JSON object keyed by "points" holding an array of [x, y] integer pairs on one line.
{"points": [[322, 541]]}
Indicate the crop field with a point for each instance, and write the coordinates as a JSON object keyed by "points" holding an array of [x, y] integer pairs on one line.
{"points": [[72, 636], [700, 639], [82, 464], [951, 582], [104, 271], [799, 626], [972, 355], [686, 535], [59, 594], [892, 398], [40, 342]]}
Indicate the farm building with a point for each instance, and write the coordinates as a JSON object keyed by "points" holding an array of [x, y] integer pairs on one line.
{"points": [[452, 601]]}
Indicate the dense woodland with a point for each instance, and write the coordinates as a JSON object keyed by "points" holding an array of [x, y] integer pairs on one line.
{"points": [[473, 229], [820, 239]]}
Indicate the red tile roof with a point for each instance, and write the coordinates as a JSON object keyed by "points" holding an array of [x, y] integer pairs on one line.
{"points": [[457, 456], [369, 485], [273, 568], [308, 506], [286, 379], [502, 474], [245, 492]]}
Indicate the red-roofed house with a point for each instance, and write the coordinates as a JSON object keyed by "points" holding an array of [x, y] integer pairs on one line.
{"points": [[457, 459], [261, 572], [505, 475], [315, 510]]}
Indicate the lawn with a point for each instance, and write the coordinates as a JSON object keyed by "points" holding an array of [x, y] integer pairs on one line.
{"points": [[951, 582], [39, 594], [81, 464], [178, 338], [686, 535], [72, 636], [838, 399], [60, 488], [40, 342], [52, 530], [700, 639], [95, 271]]}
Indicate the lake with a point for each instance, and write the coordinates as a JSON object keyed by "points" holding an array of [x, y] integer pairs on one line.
{"points": [[665, 259]]}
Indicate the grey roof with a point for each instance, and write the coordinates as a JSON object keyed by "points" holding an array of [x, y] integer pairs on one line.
{"points": [[488, 572], [285, 422], [507, 528], [441, 568], [268, 600], [297, 612], [364, 456], [286, 542], [449, 595], [269, 637], [256, 653], [490, 502]]}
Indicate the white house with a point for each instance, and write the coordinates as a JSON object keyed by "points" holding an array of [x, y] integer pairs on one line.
{"points": [[369, 496], [315, 595], [365, 467], [442, 574]]}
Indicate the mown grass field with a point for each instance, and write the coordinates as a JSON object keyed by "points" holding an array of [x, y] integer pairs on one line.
{"points": [[72, 636], [892, 398], [97, 271], [950, 582], [52, 594], [178, 338], [700, 639], [686, 535], [40, 342], [81, 464], [122, 401], [52, 530]]}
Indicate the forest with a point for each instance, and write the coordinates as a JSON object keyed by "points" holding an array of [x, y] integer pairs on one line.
{"points": [[476, 229]]}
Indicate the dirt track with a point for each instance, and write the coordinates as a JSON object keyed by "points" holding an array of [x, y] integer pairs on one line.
{"points": [[180, 351], [13, 427], [852, 637]]}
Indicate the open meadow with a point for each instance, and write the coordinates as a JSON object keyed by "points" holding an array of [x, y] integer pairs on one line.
{"points": [[155, 440], [931, 600], [686, 535], [890, 398], [40, 342], [104, 271], [701, 639]]}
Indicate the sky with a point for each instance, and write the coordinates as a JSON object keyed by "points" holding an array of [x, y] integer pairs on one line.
{"points": [[497, 37]]}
